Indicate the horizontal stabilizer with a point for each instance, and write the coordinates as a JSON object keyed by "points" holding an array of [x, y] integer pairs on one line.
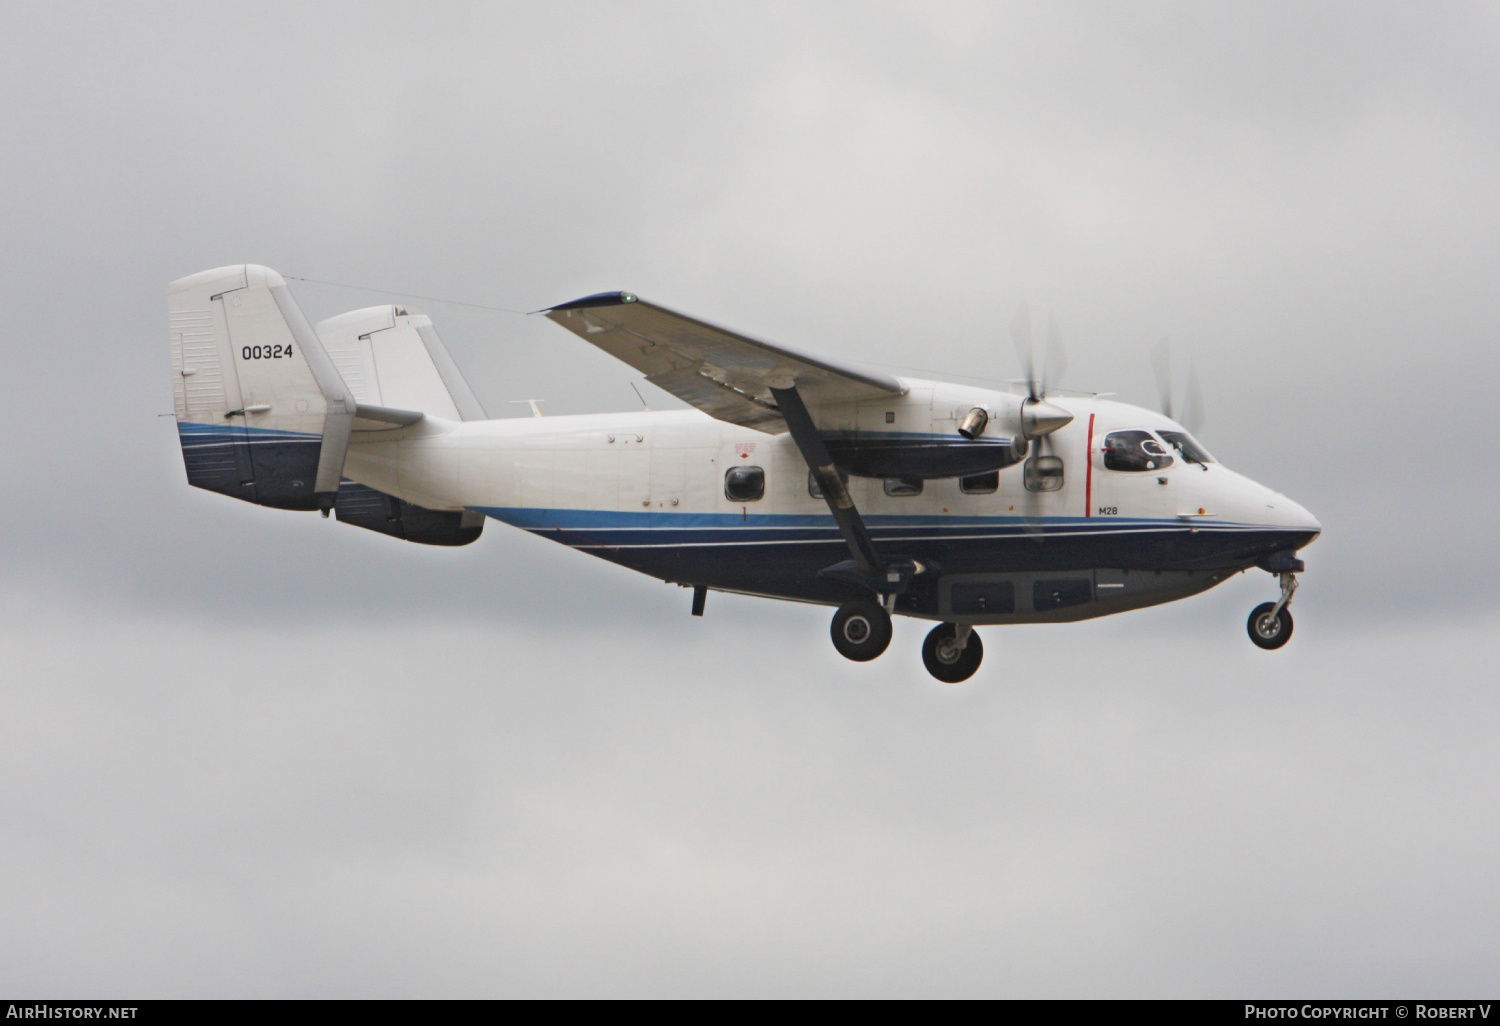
{"points": [[378, 418]]}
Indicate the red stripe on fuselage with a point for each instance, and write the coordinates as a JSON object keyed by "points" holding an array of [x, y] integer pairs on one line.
{"points": [[1088, 474]]}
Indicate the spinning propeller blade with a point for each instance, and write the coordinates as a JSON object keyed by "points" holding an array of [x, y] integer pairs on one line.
{"points": [[1020, 334], [1194, 410], [1039, 418], [1057, 357], [1161, 364]]}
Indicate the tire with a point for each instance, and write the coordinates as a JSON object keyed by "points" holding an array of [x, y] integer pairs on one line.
{"points": [[861, 631], [947, 665], [1268, 633]]}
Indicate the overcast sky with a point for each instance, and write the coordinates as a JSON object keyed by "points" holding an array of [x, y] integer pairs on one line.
{"points": [[247, 752]]}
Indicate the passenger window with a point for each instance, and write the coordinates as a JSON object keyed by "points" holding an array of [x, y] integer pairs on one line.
{"points": [[903, 486], [744, 484], [816, 490], [1134, 450], [980, 484], [1044, 473]]}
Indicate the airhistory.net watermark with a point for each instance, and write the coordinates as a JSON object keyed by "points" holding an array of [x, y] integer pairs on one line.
{"points": [[43, 1010]]}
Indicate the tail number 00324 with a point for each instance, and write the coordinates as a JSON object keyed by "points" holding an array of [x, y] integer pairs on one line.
{"points": [[265, 352]]}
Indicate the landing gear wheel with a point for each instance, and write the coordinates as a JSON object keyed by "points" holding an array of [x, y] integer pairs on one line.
{"points": [[861, 631], [945, 660], [1269, 631]]}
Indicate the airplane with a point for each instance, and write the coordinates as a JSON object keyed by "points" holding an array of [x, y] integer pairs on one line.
{"points": [[792, 476]]}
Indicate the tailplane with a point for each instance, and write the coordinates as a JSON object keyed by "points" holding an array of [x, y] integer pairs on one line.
{"points": [[266, 409]]}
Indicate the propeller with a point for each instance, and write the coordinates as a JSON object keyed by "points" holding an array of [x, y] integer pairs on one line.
{"points": [[1039, 418], [1194, 410]]}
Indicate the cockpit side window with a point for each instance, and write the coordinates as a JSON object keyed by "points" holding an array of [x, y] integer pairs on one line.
{"points": [[1187, 445], [1134, 451]]}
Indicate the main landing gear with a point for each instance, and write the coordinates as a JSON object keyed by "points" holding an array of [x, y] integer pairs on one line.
{"points": [[1270, 623], [862, 630]]}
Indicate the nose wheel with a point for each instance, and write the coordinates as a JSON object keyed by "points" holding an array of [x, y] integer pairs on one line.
{"points": [[1270, 624], [952, 652], [861, 631]]}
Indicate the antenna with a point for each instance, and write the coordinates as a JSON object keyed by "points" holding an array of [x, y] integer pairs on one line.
{"points": [[536, 411], [642, 398]]}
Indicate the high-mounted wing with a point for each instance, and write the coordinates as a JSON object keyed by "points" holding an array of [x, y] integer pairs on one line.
{"points": [[723, 373]]}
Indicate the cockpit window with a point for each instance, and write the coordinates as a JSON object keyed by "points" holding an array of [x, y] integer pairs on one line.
{"points": [[1134, 450], [1187, 445]]}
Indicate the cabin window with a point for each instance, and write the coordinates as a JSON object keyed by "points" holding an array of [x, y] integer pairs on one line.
{"points": [[890, 416], [903, 486], [1187, 445], [980, 484], [1044, 473], [1134, 451], [816, 490], [744, 484]]}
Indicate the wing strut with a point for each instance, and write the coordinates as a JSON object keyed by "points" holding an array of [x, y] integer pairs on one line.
{"points": [[886, 578], [810, 443]]}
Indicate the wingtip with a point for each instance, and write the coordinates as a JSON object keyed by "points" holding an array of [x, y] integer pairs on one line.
{"points": [[597, 299]]}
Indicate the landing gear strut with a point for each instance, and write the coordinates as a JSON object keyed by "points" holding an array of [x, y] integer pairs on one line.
{"points": [[861, 631], [1270, 623], [952, 652]]}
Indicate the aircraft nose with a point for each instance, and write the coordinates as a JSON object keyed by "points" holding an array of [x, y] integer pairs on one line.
{"points": [[1283, 512]]}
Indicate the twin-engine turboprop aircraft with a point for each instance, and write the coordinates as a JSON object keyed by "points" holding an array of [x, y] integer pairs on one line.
{"points": [[794, 477]]}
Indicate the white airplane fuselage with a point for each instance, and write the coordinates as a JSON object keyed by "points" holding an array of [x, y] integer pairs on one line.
{"points": [[648, 490]]}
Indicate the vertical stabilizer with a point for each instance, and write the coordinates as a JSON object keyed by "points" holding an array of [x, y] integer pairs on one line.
{"points": [[391, 356], [262, 412]]}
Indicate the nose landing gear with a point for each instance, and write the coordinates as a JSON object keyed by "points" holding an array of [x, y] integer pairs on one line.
{"points": [[952, 652], [1270, 624]]}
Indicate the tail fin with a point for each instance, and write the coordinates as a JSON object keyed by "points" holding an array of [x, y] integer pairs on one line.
{"points": [[393, 357], [262, 413]]}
